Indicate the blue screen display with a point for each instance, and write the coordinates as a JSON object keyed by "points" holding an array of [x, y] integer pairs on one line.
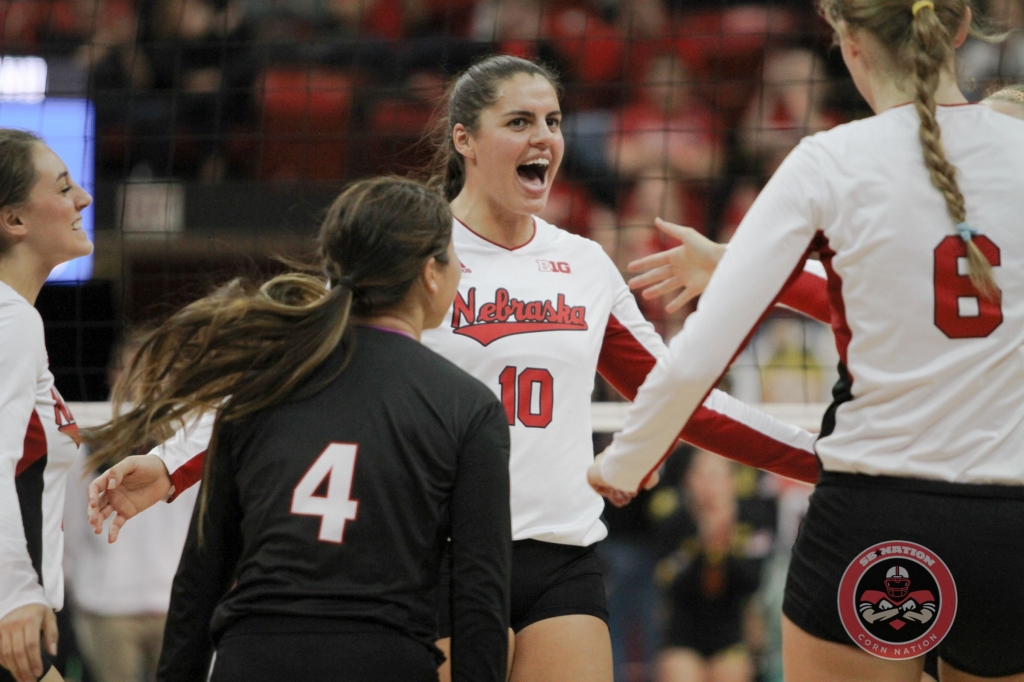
{"points": [[69, 127]]}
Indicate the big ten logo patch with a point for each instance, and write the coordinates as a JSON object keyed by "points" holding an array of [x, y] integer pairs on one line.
{"points": [[897, 600], [553, 266]]}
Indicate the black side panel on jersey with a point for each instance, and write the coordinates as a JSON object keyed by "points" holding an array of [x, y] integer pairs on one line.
{"points": [[29, 485], [842, 392]]}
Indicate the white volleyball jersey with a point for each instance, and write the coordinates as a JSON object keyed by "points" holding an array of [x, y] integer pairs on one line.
{"points": [[535, 324], [38, 444], [932, 374]]}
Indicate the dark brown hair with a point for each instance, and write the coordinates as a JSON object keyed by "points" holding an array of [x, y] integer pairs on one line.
{"points": [[245, 348], [920, 45], [471, 92], [17, 169]]}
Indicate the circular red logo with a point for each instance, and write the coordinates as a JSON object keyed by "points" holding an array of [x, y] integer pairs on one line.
{"points": [[897, 600]]}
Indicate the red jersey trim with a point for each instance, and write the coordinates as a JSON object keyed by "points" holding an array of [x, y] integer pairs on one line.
{"points": [[715, 432], [808, 294], [35, 444], [501, 246], [623, 361], [840, 328], [958, 104], [187, 475]]}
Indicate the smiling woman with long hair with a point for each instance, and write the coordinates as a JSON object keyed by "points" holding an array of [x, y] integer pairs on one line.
{"points": [[40, 228]]}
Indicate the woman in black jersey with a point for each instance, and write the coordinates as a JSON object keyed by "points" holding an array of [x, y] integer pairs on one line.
{"points": [[345, 454]]}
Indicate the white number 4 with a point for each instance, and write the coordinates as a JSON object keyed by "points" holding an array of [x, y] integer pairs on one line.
{"points": [[337, 464]]}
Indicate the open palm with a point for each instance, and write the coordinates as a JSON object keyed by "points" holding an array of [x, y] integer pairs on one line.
{"points": [[131, 486], [685, 269]]}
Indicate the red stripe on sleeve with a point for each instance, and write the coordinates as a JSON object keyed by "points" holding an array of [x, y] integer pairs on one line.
{"points": [[734, 440], [35, 444], [808, 294], [187, 475], [623, 361], [840, 328]]}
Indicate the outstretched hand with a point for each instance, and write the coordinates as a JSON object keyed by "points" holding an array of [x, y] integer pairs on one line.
{"points": [[131, 486], [620, 498], [685, 269]]}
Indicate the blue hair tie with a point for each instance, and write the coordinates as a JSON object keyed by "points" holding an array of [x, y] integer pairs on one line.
{"points": [[966, 231]]}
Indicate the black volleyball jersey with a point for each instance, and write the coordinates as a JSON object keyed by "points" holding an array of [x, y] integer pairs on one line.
{"points": [[337, 506]]}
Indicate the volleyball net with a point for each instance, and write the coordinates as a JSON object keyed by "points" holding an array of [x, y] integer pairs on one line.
{"points": [[606, 417], [213, 134]]}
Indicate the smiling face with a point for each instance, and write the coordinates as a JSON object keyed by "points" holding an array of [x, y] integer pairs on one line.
{"points": [[514, 152], [51, 217]]}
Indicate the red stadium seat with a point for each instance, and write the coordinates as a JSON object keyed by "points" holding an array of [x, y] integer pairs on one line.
{"points": [[305, 123]]}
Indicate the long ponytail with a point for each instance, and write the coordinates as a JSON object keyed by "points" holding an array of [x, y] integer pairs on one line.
{"points": [[933, 51], [919, 39], [245, 348]]}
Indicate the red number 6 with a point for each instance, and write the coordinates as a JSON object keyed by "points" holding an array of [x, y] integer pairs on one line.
{"points": [[979, 316]]}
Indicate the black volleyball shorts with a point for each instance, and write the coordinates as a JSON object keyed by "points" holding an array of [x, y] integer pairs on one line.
{"points": [[548, 580], [903, 567]]}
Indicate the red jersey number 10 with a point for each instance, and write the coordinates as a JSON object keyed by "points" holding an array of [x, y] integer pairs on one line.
{"points": [[961, 312], [517, 395]]}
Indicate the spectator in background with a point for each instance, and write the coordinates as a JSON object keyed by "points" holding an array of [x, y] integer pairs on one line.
{"points": [[382, 19], [121, 591], [984, 65], [667, 132], [58, 26], [710, 580], [788, 106], [651, 197], [665, 144]]}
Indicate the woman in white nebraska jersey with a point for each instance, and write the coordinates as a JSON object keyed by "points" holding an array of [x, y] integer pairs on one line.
{"points": [[911, 543], [537, 313], [40, 228]]}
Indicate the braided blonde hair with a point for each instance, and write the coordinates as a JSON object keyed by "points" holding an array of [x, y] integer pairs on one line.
{"points": [[920, 46]]}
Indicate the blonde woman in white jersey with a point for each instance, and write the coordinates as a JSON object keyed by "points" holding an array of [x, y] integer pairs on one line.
{"points": [[538, 311], [40, 228], [910, 544]]}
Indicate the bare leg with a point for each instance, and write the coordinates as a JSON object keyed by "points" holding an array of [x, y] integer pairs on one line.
{"points": [[444, 673], [948, 673], [574, 648], [681, 665], [806, 658]]}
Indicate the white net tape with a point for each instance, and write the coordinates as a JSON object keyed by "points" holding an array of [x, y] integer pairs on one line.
{"points": [[606, 417]]}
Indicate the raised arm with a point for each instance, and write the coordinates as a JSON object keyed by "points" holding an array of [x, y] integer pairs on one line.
{"points": [[684, 272], [765, 256], [723, 425]]}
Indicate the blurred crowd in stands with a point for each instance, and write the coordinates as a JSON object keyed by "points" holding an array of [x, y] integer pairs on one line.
{"points": [[675, 108]]}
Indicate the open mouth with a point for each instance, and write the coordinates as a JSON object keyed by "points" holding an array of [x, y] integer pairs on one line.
{"points": [[534, 173]]}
